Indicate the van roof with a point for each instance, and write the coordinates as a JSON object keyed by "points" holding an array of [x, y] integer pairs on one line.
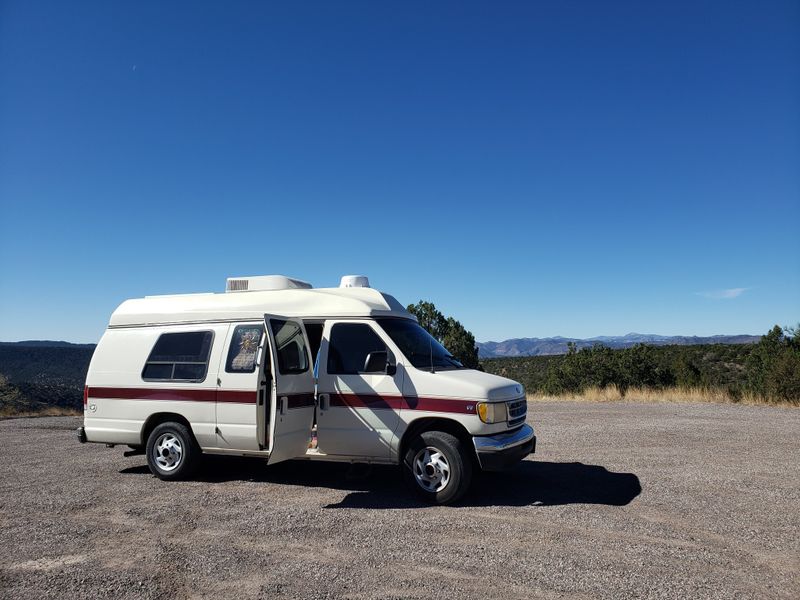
{"points": [[304, 303]]}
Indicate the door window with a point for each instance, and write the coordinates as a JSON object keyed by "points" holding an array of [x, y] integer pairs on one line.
{"points": [[349, 346], [290, 346], [243, 349]]}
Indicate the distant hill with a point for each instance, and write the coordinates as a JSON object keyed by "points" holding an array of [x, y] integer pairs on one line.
{"points": [[558, 345], [36, 375], [47, 344]]}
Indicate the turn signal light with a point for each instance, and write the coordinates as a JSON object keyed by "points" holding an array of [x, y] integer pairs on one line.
{"points": [[492, 412]]}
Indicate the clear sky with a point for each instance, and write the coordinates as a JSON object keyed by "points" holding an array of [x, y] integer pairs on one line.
{"points": [[533, 168]]}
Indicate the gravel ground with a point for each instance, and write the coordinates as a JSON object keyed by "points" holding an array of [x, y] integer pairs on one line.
{"points": [[621, 500]]}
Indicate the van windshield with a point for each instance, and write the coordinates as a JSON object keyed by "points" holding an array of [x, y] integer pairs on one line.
{"points": [[419, 346]]}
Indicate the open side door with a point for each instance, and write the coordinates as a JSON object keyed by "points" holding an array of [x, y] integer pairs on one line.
{"points": [[292, 406]]}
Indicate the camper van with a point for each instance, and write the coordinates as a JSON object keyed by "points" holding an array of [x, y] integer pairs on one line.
{"points": [[277, 369]]}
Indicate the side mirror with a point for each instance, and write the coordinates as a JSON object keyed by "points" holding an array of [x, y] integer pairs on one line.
{"points": [[379, 362]]}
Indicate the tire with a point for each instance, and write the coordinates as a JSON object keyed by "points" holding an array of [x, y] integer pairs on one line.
{"points": [[438, 467], [172, 452]]}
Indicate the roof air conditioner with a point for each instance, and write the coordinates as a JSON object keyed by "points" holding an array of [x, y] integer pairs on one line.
{"points": [[354, 281], [264, 282]]}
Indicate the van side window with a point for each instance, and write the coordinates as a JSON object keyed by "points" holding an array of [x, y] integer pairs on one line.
{"points": [[243, 349], [179, 357], [291, 347], [349, 346]]}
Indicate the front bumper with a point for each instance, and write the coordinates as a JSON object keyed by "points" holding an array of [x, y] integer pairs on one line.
{"points": [[504, 450]]}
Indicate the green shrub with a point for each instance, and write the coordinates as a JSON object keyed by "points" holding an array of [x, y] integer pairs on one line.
{"points": [[773, 368], [769, 369]]}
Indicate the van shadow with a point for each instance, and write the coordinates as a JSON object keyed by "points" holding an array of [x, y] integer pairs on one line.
{"points": [[531, 483]]}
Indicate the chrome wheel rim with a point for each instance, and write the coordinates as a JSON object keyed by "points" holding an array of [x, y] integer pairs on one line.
{"points": [[168, 452], [431, 469]]}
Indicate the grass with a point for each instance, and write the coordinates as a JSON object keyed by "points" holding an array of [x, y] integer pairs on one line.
{"points": [[672, 394], [51, 411]]}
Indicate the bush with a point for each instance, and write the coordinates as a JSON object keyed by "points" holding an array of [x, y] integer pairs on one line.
{"points": [[773, 368], [600, 367], [769, 369]]}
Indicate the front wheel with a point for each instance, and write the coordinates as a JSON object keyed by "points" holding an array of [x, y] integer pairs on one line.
{"points": [[437, 466], [172, 452]]}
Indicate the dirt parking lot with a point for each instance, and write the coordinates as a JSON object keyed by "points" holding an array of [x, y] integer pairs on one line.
{"points": [[620, 501]]}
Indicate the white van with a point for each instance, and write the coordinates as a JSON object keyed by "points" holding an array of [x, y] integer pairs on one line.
{"points": [[277, 369]]}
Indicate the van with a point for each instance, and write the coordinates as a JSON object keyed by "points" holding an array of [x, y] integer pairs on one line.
{"points": [[277, 369]]}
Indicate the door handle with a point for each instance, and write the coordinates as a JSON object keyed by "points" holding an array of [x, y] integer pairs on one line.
{"points": [[261, 396], [324, 401], [284, 404]]}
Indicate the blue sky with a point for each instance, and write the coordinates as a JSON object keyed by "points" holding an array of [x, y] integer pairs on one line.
{"points": [[533, 168]]}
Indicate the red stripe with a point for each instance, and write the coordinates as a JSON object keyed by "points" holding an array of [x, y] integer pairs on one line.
{"points": [[236, 396], [448, 405], [180, 395], [300, 400], [375, 401], [201, 395], [371, 401]]}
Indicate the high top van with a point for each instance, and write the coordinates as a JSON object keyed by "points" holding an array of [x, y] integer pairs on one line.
{"points": [[277, 369]]}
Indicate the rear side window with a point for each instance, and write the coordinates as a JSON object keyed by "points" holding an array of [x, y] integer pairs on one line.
{"points": [[291, 347], [244, 347], [179, 357], [349, 346]]}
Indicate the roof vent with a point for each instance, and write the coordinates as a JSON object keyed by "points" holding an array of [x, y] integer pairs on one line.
{"points": [[237, 285], [264, 283], [348, 281]]}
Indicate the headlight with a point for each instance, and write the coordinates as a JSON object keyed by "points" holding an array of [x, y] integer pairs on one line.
{"points": [[492, 412]]}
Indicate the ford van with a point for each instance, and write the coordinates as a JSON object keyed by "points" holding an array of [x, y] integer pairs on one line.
{"points": [[277, 369]]}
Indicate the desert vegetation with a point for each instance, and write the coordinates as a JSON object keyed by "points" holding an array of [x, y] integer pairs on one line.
{"points": [[765, 372], [38, 379]]}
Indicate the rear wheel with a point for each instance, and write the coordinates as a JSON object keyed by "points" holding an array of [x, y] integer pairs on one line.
{"points": [[172, 452], [437, 466]]}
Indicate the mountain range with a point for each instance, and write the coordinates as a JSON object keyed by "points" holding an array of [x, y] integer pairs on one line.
{"points": [[47, 344], [559, 345]]}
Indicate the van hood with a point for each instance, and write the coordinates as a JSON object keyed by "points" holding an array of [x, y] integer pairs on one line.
{"points": [[467, 384]]}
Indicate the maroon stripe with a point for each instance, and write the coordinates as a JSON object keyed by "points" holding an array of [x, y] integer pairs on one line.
{"points": [[375, 401], [196, 395], [372, 401], [300, 400], [448, 405], [237, 396], [201, 395]]}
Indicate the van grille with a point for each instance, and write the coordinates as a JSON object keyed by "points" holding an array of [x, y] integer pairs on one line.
{"points": [[517, 411], [237, 285]]}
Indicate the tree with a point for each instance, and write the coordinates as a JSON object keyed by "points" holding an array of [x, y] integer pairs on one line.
{"points": [[430, 318], [773, 368], [687, 373], [600, 366], [450, 333]]}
